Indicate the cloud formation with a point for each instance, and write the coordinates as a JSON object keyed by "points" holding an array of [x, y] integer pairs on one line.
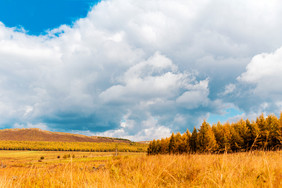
{"points": [[264, 74], [142, 69]]}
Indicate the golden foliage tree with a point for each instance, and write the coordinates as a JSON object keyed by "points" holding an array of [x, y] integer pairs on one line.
{"points": [[262, 134]]}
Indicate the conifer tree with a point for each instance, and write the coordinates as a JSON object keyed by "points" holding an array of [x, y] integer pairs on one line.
{"points": [[236, 141], [279, 133], [187, 138], [172, 144], [242, 129], [227, 136], [274, 134], [164, 146], [149, 150], [252, 135], [158, 147], [178, 143], [206, 138], [219, 136], [193, 141], [154, 147], [179, 148], [263, 133]]}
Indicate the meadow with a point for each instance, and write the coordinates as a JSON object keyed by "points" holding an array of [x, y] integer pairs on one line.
{"points": [[133, 169], [73, 146]]}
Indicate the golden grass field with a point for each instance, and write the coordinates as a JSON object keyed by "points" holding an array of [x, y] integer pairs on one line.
{"points": [[73, 146], [104, 169]]}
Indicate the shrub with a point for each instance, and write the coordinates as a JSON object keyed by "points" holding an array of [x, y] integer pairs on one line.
{"points": [[66, 156]]}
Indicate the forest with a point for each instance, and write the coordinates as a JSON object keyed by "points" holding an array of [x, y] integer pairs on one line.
{"points": [[263, 134]]}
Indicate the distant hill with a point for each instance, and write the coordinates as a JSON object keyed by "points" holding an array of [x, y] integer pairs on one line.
{"points": [[35, 134]]}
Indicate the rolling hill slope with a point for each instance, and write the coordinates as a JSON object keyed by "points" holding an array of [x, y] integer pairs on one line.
{"points": [[35, 134]]}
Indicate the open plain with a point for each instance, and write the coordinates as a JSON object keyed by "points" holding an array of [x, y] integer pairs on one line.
{"points": [[132, 169]]}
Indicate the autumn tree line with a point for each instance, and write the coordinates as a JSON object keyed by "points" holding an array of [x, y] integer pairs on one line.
{"points": [[244, 135]]}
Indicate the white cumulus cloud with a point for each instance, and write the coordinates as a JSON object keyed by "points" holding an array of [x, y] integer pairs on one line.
{"points": [[160, 65]]}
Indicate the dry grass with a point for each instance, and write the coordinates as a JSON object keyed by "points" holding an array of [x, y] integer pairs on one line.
{"points": [[73, 146], [259, 169], [36, 134]]}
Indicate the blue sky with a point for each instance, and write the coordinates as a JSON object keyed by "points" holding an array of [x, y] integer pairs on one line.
{"points": [[38, 16], [138, 69]]}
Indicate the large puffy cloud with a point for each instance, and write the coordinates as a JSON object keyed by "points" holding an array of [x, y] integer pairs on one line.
{"points": [[263, 73], [65, 84], [139, 69]]}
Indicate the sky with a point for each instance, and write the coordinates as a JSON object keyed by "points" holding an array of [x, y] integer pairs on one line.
{"points": [[38, 17], [138, 69]]}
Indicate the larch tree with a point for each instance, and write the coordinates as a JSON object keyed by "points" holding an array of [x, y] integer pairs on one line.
{"points": [[206, 138], [252, 135], [187, 138], [179, 147], [193, 141], [242, 129], [263, 132], [172, 144], [219, 136], [227, 136], [164, 146], [236, 141], [274, 138]]}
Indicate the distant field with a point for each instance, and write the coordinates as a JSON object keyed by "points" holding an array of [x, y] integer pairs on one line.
{"points": [[73, 146], [104, 169]]}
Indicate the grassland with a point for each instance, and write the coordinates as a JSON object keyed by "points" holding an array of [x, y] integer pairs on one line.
{"points": [[36, 134], [90, 169], [72, 146]]}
